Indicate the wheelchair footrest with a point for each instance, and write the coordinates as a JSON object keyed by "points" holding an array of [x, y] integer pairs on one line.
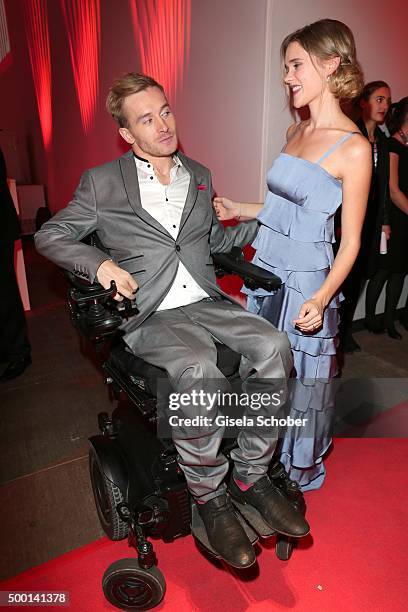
{"points": [[254, 518], [199, 532]]}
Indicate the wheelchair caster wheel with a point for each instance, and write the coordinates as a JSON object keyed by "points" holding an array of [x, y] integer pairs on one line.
{"points": [[128, 586], [284, 547]]}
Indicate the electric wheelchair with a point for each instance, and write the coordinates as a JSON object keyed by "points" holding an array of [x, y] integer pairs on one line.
{"points": [[139, 489]]}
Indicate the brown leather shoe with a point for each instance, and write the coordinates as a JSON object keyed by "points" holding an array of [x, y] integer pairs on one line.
{"points": [[273, 506], [225, 533]]}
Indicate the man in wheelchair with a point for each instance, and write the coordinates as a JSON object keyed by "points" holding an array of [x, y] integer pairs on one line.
{"points": [[152, 211]]}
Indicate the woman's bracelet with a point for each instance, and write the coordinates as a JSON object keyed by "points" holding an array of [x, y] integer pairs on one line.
{"points": [[238, 217]]}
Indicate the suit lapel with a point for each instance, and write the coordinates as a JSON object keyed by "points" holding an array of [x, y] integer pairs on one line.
{"points": [[129, 175], [192, 191]]}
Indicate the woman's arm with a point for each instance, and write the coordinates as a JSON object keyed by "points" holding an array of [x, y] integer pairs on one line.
{"points": [[397, 196], [227, 209], [356, 187]]}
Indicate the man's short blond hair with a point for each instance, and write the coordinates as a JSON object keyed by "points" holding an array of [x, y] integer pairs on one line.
{"points": [[126, 85]]}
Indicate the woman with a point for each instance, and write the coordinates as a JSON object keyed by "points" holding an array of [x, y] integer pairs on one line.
{"points": [[326, 162], [397, 256], [373, 105]]}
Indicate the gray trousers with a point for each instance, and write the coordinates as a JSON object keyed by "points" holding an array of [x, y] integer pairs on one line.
{"points": [[182, 341]]}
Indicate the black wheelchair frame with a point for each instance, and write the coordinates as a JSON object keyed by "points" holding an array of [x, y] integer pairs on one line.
{"points": [[139, 489]]}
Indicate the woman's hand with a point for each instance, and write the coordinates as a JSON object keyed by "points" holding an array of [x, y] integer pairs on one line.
{"points": [[226, 209], [387, 230], [310, 317]]}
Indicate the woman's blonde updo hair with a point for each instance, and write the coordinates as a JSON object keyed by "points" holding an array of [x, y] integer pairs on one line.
{"points": [[324, 40]]}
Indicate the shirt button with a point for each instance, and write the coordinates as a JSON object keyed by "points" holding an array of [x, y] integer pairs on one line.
{"points": [[178, 247], [185, 286], [148, 165], [151, 178], [174, 226], [167, 199]]}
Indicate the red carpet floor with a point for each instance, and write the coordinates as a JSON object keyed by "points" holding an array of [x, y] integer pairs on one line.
{"points": [[356, 559]]}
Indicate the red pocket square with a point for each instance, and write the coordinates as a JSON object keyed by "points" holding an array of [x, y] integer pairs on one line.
{"points": [[202, 187]]}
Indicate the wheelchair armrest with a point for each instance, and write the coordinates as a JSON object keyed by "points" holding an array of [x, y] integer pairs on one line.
{"points": [[253, 276], [84, 291], [93, 309]]}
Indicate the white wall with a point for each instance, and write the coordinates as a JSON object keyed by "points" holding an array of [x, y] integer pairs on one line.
{"points": [[220, 113]]}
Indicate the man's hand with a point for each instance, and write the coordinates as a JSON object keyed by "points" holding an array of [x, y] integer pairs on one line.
{"points": [[126, 285]]}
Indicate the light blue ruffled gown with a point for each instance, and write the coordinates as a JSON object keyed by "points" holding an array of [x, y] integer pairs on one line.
{"points": [[295, 242]]}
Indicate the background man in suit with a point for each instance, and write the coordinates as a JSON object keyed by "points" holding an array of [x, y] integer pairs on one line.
{"points": [[152, 210], [15, 350]]}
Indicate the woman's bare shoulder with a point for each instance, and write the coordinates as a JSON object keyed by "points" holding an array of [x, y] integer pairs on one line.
{"points": [[355, 158], [292, 129], [358, 146]]}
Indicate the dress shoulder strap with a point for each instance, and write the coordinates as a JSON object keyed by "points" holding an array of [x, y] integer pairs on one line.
{"points": [[336, 146]]}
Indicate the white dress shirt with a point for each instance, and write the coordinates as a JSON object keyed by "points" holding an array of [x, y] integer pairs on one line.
{"points": [[165, 203]]}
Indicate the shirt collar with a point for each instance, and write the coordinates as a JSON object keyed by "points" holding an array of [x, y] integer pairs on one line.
{"points": [[145, 165]]}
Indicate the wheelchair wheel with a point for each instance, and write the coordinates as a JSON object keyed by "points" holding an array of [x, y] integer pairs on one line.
{"points": [[128, 586], [107, 497]]}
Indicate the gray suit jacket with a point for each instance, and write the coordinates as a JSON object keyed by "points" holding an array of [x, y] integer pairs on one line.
{"points": [[107, 201]]}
